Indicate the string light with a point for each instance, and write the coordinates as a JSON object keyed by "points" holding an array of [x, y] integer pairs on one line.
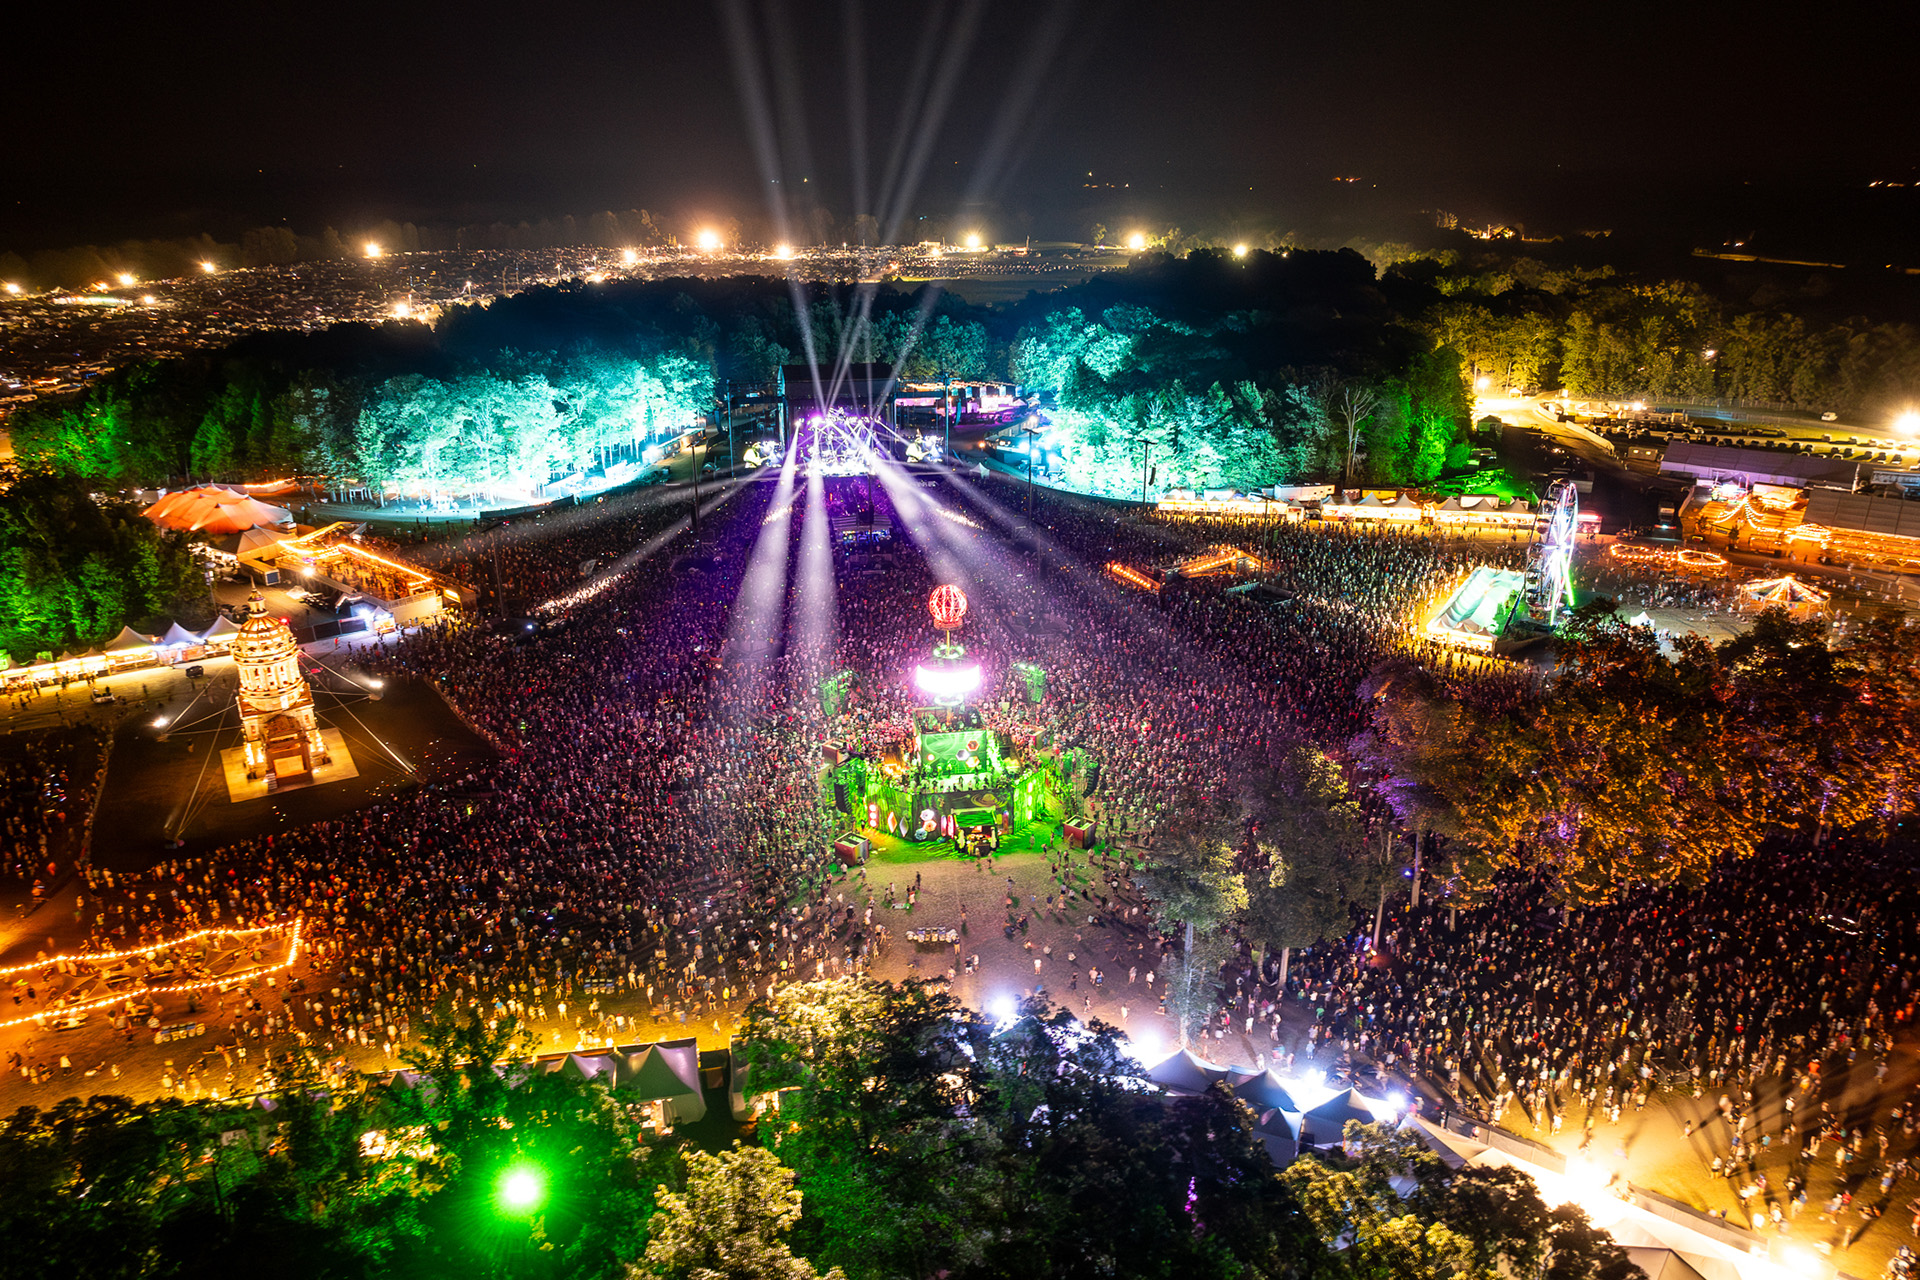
{"points": [[1132, 577], [1687, 557], [293, 954], [94, 957]]}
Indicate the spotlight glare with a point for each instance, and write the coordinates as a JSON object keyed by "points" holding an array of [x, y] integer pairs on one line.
{"points": [[521, 1189], [125, 278], [1137, 241], [707, 240], [629, 257], [209, 267], [1240, 251], [371, 248]]}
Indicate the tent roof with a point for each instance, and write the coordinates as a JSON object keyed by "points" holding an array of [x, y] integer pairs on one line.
{"points": [[651, 1074], [1185, 1073], [215, 511], [1263, 1092], [1784, 590], [177, 634], [1339, 1109], [222, 626], [129, 640]]}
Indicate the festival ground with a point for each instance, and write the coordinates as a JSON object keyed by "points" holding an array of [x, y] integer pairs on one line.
{"points": [[1056, 949]]}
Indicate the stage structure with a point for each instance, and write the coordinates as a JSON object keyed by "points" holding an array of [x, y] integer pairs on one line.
{"points": [[960, 779], [277, 724], [1503, 611], [281, 741]]}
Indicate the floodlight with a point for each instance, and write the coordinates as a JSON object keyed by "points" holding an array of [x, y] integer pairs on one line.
{"points": [[521, 1189]]}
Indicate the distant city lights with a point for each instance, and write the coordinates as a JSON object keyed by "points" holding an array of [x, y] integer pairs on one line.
{"points": [[707, 240], [371, 249]]}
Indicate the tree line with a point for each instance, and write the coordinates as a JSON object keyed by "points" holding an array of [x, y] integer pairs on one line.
{"points": [[1637, 768], [74, 569], [911, 1137], [1599, 336]]}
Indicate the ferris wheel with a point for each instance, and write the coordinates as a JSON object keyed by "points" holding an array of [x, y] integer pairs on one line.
{"points": [[1550, 569]]}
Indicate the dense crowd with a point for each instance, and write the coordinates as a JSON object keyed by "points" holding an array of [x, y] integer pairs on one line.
{"points": [[47, 784], [653, 840]]}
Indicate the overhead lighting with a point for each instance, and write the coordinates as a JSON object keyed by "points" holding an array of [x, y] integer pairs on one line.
{"points": [[947, 684]]}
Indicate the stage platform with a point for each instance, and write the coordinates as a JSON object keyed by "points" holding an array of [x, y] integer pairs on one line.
{"points": [[1472, 616], [240, 788]]}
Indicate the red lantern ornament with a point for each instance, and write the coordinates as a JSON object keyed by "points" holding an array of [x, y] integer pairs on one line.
{"points": [[948, 605]]}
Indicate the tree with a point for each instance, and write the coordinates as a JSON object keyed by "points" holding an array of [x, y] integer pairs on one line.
{"points": [[1307, 830], [873, 1076], [1192, 874], [728, 1223]]}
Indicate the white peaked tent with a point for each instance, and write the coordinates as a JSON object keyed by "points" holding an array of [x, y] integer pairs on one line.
{"points": [[129, 641], [668, 1073], [221, 633], [178, 637]]}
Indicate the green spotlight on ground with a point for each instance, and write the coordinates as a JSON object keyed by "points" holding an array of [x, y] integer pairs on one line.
{"points": [[522, 1189]]}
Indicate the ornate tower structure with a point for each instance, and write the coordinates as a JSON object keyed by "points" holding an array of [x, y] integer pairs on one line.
{"points": [[280, 734]]}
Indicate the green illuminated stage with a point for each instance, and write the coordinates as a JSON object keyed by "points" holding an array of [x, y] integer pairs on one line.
{"points": [[961, 783]]}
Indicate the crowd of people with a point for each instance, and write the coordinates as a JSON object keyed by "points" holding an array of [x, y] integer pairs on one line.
{"points": [[651, 849]]}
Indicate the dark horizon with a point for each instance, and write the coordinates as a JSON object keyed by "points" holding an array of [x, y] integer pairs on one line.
{"points": [[1032, 122]]}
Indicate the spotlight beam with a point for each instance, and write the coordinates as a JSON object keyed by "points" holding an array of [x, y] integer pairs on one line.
{"points": [[758, 612]]}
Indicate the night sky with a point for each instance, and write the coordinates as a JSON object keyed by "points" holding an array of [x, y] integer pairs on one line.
{"points": [[173, 120]]}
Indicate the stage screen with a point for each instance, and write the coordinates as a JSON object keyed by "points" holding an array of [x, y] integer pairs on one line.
{"points": [[966, 748]]}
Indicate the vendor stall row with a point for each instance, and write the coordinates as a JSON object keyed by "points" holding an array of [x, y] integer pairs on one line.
{"points": [[128, 651]]}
